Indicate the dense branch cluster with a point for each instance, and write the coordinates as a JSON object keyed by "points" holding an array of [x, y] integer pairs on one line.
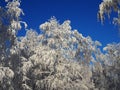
{"points": [[57, 59]]}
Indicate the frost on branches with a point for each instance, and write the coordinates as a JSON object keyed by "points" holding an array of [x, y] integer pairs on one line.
{"points": [[52, 60], [57, 59], [106, 8]]}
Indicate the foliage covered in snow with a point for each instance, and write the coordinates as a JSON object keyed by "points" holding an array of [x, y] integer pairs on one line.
{"points": [[58, 59], [106, 8]]}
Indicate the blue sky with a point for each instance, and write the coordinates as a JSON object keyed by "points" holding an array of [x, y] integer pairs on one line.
{"points": [[82, 13]]}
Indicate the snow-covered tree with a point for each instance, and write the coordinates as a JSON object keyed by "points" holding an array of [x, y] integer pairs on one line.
{"points": [[112, 66], [59, 58], [107, 7], [53, 60], [9, 25], [47, 61], [109, 78]]}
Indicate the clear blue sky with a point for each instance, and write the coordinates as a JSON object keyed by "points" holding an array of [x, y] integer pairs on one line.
{"points": [[82, 13]]}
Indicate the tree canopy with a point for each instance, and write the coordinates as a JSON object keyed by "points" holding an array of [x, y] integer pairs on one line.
{"points": [[60, 58]]}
